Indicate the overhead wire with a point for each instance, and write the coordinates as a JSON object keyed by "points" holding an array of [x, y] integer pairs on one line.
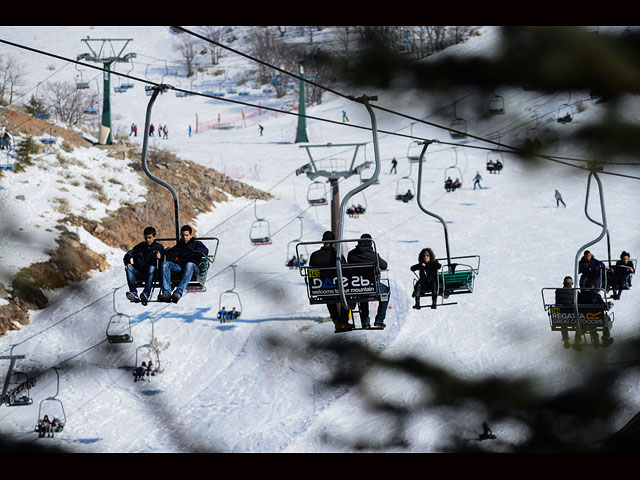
{"points": [[393, 112], [247, 104], [561, 160]]}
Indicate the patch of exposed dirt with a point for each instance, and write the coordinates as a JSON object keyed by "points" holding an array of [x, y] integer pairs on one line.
{"points": [[198, 189], [17, 121]]}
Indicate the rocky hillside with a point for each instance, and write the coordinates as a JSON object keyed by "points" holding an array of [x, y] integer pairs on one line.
{"points": [[199, 189]]}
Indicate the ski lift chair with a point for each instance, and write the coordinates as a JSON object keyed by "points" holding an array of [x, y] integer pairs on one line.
{"points": [[137, 368], [455, 278], [317, 194], [458, 128], [260, 233], [119, 326], [618, 277], [497, 160], [47, 405], [413, 152], [20, 395], [347, 284], [198, 280], [361, 281], [57, 427], [594, 319], [565, 114], [293, 261], [496, 105], [584, 318], [458, 273], [119, 329], [404, 185], [232, 298]]}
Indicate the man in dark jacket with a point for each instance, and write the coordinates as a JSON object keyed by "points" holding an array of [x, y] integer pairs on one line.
{"points": [[182, 258], [565, 296], [326, 257], [589, 295], [591, 269], [140, 263], [364, 253]]}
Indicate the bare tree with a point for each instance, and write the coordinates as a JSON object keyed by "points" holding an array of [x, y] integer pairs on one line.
{"points": [[215, 35], [12, 77], [186, 46], [344, 36], [264, 44], [67, 102]]}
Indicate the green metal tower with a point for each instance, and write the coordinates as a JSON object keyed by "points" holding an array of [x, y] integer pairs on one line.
{"points": [[106, 54], [301, 135]]}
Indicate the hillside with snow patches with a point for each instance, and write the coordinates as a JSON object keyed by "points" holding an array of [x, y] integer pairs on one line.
{"points": [[221, 388]]}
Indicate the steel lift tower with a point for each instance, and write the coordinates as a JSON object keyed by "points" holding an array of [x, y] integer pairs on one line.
{"points": [[104, 50]]}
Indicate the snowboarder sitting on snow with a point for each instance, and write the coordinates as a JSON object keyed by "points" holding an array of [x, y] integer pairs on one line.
{"points": [[183, 258], [364, 253], [427, 267], [486, 434], [140, 263]]}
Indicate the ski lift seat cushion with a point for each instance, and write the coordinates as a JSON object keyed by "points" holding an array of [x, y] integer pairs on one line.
{"points": [[459, 281]]}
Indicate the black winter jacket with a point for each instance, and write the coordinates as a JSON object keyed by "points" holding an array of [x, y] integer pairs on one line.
{"points": [[325, 257], [183, 253], [428, 274], [564, 296], [590, 297], [590, 268], [143, 255], [364, 253]]}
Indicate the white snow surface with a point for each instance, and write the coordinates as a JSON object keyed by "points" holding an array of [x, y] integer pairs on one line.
{"points": [[221, 389]]}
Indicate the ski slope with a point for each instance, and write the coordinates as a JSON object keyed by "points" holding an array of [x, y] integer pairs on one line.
{"points": [[222, 388]]}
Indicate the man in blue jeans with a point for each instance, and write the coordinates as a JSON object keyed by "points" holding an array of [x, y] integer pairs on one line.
{"points": [[140, 264], [364, 253], [182, 258]]}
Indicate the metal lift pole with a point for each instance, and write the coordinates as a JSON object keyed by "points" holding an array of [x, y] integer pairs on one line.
{"points": [[596, 240], [374, 178], [145, 141]]}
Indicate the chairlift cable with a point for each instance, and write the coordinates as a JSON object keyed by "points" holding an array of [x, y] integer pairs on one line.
{"points": [[514, 149]]}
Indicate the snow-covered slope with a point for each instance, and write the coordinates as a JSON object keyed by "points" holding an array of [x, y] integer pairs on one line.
{"points": [[222, 389]]}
